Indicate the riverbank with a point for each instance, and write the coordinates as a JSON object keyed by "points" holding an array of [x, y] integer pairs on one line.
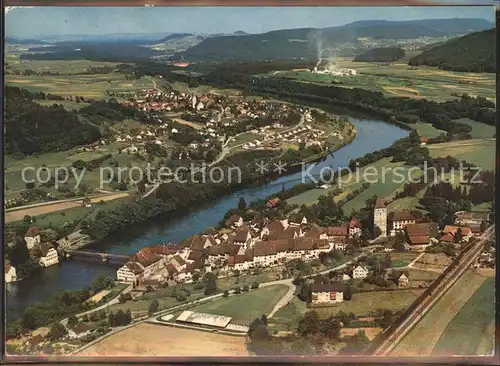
{"points": [[372, 135]]}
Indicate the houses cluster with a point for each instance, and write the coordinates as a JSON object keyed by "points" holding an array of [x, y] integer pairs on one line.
{"points": [[48, 255], [241, 245], [43, 251], [331, 293], [420, 235]]}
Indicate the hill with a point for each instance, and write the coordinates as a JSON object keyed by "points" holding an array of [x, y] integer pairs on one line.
{"points": [[304, 42], [31, 128], [174, 36], [430, 45], [10, 40], [471, 53], [383, 54]]}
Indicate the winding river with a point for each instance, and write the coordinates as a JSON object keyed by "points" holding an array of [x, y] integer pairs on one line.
{"points": [[372, 135]]}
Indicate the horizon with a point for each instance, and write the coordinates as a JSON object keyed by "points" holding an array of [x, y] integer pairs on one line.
{"points": [[39, 22]]}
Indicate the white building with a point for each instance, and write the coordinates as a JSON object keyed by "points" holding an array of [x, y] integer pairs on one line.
{"points": [[329, 293], [79, 331], [49, 255], [380, 217], [401, 219], [32, 237], [10, 272], [360, 272], [130, 272]]}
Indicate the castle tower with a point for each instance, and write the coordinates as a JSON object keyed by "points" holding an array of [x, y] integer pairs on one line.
{"points": [[380, 216]]}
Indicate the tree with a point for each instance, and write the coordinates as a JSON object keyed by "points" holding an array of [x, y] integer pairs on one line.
{"points": [[348, 292], [242, 205], [20, 253], [226, 293], [355, 344], [141, 187], [399, 242], [255, 285], [153, 307], [57, 331], [27, 219], [458, 235], [72, 321], [210, 284], [484, 225], [309, 324]]}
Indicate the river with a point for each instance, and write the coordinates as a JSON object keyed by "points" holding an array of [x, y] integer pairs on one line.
{"points": [[372, 135]]}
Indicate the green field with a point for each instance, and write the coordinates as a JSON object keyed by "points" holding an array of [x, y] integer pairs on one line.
{"points": [[162, 295], [288, 317], [58, 218], [479, 130], [245, 307], [398, 79], [14, 167], [427, 130], [384, 187], [68, 105], [422, 275], [480, 152], [471, 332], [363, 304]]}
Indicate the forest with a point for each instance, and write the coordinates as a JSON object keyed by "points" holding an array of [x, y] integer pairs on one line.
{"points": [[383, 54], [474, 52]]}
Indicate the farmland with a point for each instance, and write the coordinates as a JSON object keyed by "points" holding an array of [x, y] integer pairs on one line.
{"points": [[245, 307], [349, 183], [58, 213], [468, 332], [402, 259], [400, 80], [479, 130], [480, 152], [362, 304], [421, 340], [72, 79], [427, 130], [161, 340]]}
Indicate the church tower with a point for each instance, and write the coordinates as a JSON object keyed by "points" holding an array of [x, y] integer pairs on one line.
{"points": [[380, 216]]}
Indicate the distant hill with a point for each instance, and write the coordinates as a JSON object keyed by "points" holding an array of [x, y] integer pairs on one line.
{"points": [[450, 26], [383, 54], [240, 33], [174, 36], [471, 53], [303, 42], [10, 40]]}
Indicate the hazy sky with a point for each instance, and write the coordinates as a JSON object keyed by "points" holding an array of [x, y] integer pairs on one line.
{"points": [[45, 21]]}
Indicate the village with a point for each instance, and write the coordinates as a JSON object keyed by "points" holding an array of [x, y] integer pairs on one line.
{"points": [[261, 245], [188, 126]]}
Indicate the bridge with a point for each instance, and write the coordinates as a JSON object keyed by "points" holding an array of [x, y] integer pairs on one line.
{"points": [[103, 257], [386, 342]]}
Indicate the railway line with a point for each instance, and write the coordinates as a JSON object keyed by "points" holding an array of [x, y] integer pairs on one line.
{"points": [[395, 334]]}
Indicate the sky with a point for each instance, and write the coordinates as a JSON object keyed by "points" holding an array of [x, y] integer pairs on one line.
{"points": [[32, 22]]}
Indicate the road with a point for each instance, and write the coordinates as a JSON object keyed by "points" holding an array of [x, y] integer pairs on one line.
{"points": [[154, 188], [397, 334]]}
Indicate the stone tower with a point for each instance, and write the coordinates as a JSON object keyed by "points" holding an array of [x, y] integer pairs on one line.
{"points": [[380, 216]]}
